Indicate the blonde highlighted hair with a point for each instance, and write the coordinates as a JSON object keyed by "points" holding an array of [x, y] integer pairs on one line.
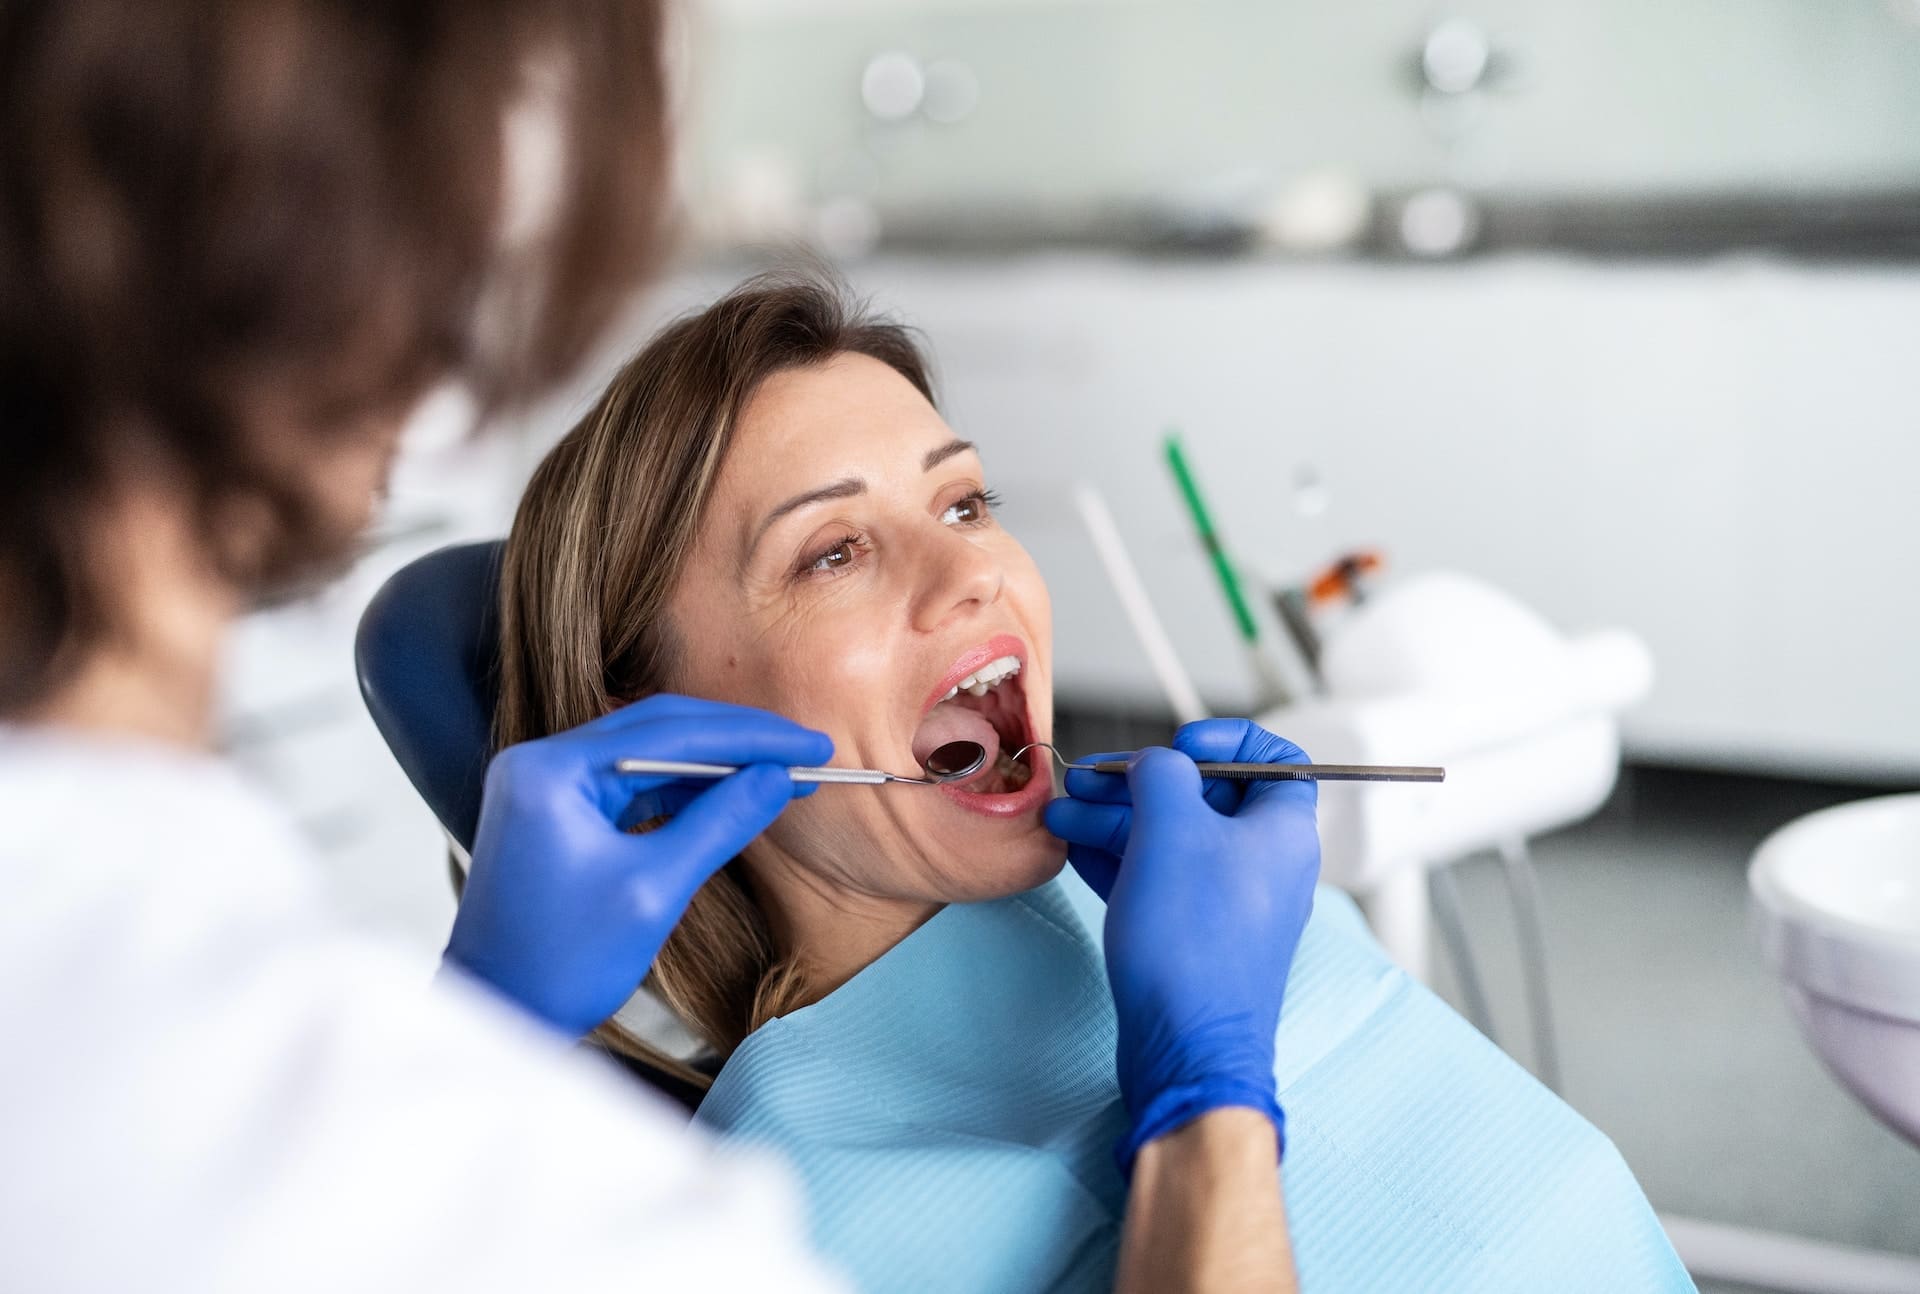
{"points": [[598, 546]]}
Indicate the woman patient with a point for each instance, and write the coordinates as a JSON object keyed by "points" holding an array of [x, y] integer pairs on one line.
{"points": [[766, 508]]}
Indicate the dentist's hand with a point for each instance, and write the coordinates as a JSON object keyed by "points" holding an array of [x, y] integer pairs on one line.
{"points": [[564, 911], [1208, 889]]}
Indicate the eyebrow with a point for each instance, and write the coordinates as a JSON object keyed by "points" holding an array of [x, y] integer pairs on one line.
{"points": [[935, 457], [848, 487], [845, 488]]}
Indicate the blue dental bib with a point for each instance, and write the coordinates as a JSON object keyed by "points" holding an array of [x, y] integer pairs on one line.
{"points": [[953, 1111]]}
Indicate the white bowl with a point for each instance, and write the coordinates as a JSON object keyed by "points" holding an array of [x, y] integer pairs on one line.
{"points": [[1837, 907]]}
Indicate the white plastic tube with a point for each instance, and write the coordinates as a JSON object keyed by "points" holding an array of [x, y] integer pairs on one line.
{"points": [[1147, 629]]}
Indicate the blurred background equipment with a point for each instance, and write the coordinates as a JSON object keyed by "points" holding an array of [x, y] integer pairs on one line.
{"points": [[1609, 310], [1837, 897]]}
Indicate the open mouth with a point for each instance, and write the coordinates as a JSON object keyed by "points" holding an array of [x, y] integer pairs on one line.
{"points": [[987, 706]]}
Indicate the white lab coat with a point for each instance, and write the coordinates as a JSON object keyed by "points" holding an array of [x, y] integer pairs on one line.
{"points": [[206, 1085]]}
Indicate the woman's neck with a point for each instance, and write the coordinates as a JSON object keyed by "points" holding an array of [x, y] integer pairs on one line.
{"points": [[153, 678], [831, 933]]}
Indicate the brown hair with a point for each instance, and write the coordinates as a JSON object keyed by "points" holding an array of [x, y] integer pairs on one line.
{"points": [[599, 544], [236, 233]]}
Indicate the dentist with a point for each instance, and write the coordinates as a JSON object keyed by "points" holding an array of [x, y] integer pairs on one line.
{"points": [[239, 240]]}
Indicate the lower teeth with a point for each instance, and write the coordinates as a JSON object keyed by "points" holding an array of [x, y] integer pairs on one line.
{"points": [[1012, 773]]}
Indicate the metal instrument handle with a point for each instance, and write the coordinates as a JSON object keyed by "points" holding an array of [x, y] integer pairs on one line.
{"points": [[683, 768], [1299, 772]]}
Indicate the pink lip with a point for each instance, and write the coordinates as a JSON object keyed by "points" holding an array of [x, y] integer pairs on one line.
{"points": [[1029, 799], [970, 661], [1032, 797]]}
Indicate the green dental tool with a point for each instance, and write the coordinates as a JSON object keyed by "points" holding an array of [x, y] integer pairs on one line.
{"points": [[1223, 570]]}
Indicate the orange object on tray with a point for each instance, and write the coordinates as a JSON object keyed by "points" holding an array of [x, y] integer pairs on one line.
{"points": [[1343, 579]]}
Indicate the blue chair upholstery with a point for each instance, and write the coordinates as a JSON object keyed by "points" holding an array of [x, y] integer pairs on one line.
{"points": [[427, 653]]}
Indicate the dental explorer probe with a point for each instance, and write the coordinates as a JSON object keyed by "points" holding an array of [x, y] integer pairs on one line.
{"points": [[962, 759]]}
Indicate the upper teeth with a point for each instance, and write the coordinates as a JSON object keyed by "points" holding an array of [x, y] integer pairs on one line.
{"points": [[987, 676]]}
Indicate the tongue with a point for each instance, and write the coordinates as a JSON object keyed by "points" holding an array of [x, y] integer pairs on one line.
{"points": [[951, 721]]}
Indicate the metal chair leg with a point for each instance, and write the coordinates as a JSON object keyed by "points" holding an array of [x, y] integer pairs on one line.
{"points": [[1400, 913], [1443, 892], [1523, 889]]}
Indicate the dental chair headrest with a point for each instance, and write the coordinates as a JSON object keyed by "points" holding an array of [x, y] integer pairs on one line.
{"points": [[427, 653]]}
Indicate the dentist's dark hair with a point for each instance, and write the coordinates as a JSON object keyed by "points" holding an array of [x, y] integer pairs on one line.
{"points": [[240, 238], [597, 549]]}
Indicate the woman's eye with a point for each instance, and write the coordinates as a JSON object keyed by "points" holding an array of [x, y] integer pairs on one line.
{"points": [[972, 510], [836, 558]]}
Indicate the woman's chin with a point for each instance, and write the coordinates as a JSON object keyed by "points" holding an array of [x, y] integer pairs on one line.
{"points": [[1006, 867], [1055, 860]]}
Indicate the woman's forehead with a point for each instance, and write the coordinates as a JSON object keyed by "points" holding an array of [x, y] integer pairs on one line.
{"points": [[851, 416]]}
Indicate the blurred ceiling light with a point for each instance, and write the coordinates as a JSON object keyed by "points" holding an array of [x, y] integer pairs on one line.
{"points": [[1456, 56], [952, 93], [1321, 211], [1438, 222], [892, 85]]}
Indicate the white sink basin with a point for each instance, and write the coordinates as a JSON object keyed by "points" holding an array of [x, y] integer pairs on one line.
{"points": [[1837, 904]]}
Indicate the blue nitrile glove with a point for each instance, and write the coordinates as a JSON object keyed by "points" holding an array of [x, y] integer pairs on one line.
{"points": [[1208, 889], [564, 911]]}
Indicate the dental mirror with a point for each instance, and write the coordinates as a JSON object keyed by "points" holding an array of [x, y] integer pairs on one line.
{"points": [[955, 760]]}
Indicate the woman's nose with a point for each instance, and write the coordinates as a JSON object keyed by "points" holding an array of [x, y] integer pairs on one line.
{"points": [[957, 578]]}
